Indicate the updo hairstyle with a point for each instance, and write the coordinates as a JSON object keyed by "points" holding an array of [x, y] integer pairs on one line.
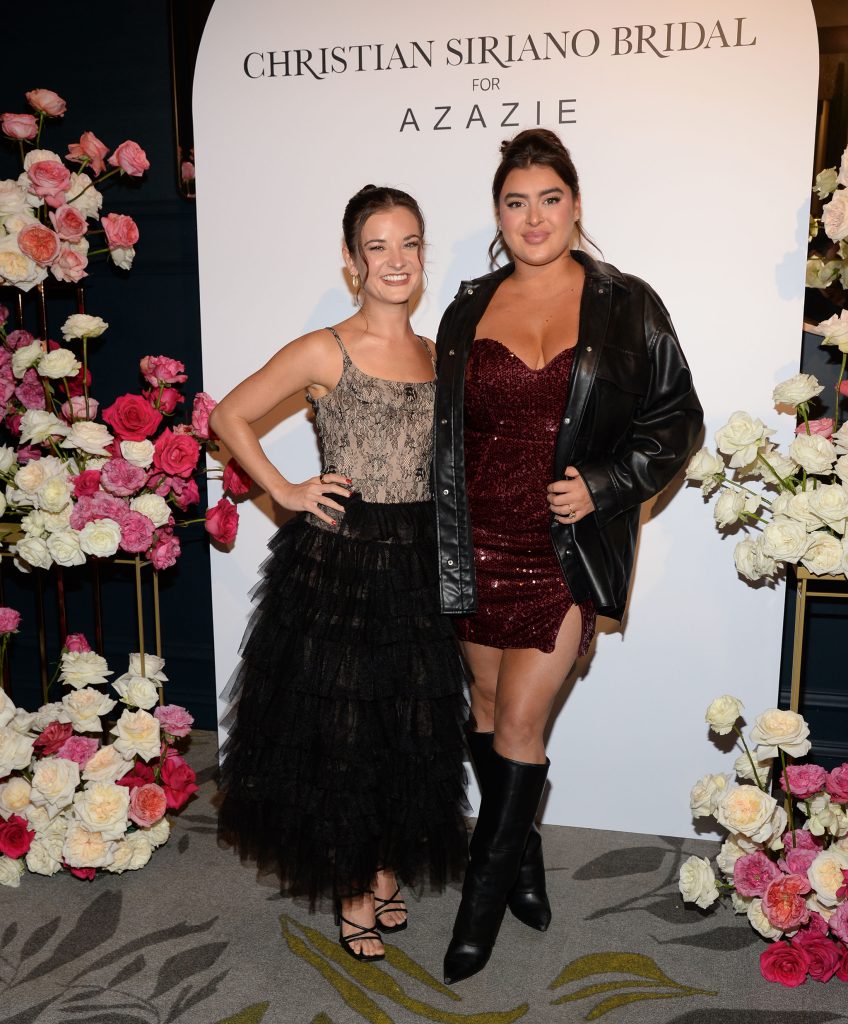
{"points": [[369, 200]]}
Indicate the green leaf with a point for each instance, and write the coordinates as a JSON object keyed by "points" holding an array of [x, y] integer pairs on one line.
{"points": [[249, 1015], [612, 963], [614, 1002], [600, 988], [395, 957]]}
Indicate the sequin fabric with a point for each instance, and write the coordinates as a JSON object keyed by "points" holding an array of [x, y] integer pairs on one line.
{"points": [[512, 416], [377, 432]]}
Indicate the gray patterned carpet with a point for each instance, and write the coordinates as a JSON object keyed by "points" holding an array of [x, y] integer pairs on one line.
{"points": [[195, 938]]}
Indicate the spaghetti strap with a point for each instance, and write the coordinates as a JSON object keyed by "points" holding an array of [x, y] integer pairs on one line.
{"points": [[345, 356], [428, 350]]}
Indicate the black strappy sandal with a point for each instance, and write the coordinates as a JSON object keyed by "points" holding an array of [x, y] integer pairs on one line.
{"points": [[382, 906], [357, 936]]}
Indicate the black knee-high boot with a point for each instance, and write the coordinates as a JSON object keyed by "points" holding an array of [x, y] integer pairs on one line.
{"points": [[507, 809], [527, 899]]}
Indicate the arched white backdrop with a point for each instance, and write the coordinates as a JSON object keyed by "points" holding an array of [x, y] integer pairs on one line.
{"points": [[692, 130]]}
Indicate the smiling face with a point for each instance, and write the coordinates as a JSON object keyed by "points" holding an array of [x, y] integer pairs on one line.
{"points": [[537, 213], [389, 255]]}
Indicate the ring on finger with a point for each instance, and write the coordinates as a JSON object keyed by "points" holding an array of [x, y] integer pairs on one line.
{"points": [[321, 478]]}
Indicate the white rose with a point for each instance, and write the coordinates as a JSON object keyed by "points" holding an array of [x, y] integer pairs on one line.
{"points": [[53, 495], [84, 849], [722, 714], [152, 667], [813, 452], [158, 834], [8, 458], [817, 907], [841, 469], [139, 453], [137, 732], [152, 506], [11, 871], [830, 503], [84, 708], [23, 722], [784, 539], [34, 552], [740, 903], [137, 691], [2, 504], [826, 816], [20, 499], [102, 807], [743, 769], [824, 554], [17, 269], [37, 425], [797, 507], [131, 854], [55, 522], [840, 439], [772, 467], [59, 363], [81, 325], [705, 794], [40, 859], [83, 668], [835, 330], [14, 796], [106, 765], [731, 504], [820, 273], [64, 548], [15, 751], [797, 390], [747, 810], [825, 875], [741, 438], [12, 199], [122, 256], [842, 177], [730, 852], [31, 476], [774, 839], [88, 437], [835, 217], [37, 155], [100, 537], [26, 356], [697, 882], [751, 561], [18, 221], [53, 784], [785, 729], [47, 713], [7, 708], [759, 922], [826, 182], [84, 198]]}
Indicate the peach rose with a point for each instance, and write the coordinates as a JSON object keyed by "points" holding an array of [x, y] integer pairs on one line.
{"points": [[130, 158], [121, 231], [84, 849], [102, 807], [89, 150], [49, 180], [19, 126], [39, 243], [45, 101], [69, 265], [147, 804], [69, 223]]}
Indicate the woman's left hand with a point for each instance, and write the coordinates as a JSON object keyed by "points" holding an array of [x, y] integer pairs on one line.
{"points": [[569, 499]]}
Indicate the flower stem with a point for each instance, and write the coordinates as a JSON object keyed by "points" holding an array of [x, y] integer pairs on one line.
{"points": [[89, 185], [738, 732], [789, 807], [784, 483], [85, 374], [803, 410]]}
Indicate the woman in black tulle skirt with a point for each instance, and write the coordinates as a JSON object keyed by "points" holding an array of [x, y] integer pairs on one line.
{"points": [[343, 766]]}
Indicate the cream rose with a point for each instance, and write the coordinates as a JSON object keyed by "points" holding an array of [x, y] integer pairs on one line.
{"points": [[759, 922], [102, 807], [773, 467], [81, 325], [152, 667], [37, 425], [137, 732], [53, 495], [797, 390], [824, 554], [784, 729], [158, 834], [64, 548], [731, 504], [100, 537], [25, 357], [697, 882], [8, 458], [13, 199], [88, 437], [730, 852], [11, 871], [722, 714], [747, 810], [813, 452], [835, 217], [740, 903], [841, 469], [14, 796], [131, 854], [47, 713], [784, 539], [742, 437], [16, 268], [152, 506], [825, 875], [826, 182], [40, 859], [751, 561], [706, 469], [83, 668], [742, 768], [705, 794], [826, 816], [137, 691], [34, 552], [33, 475], [830, 503], [83, 197], [84, 708], [15, 751], [106, 765], [840, 439], [7, 708], [23, 722], [139, 453], [835, 330], [122, 256], [59, 363], [54, 782], [797, 506], [84, 849]]}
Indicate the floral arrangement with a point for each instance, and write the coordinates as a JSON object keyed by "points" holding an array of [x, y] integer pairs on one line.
{"points": [[76, 797], [831, 265], [787, 870], [81, 487]]}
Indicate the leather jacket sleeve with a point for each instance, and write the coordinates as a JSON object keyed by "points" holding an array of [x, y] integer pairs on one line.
{"points": [[664, 427]]}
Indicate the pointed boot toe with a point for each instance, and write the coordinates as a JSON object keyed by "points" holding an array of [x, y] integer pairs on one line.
{"points": [[532, 909], [464, 959]]}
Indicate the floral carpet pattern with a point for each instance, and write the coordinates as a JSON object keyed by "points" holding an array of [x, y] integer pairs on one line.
{"points": [[197, 938]]}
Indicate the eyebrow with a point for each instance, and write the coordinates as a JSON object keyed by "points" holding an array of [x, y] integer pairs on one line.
{"points": [[406, 238], [524, 195]]}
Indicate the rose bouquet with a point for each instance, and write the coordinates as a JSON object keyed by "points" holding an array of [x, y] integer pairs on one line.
{"points": [[77, 797], [787, 871], [829, 266]]}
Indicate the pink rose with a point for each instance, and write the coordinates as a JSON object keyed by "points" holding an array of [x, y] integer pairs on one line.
{"points": [[817, 924], [140, 775], [823, 953], [187, 171], [843, 388], [69, 223], [785, 964], [19, 126], [801, 839], [87, 483], [80, 409], [69, 265], [784, 904], [158, 370], [19, 338], [165, 550], [838, 922], [797, 862], [86, 874], [185, 492], [136, 532], [175, 720], [30, 391], [147, 804], [805, 780], [837, 783], [753, 873], [842, 969], [50, 180], [13, 422], [177, 780], [121, 230], [130, 158], [236, 480], [39, 243], [132, 418], [9, 620], [822, 426], [4, 315], [203, 405], [45, 101], [89, 149], [76, 642], [15, 836], [175, 454], [52, 738], [99, 506], [166, 401], [121, 477], [78, 748], [222, 521]]}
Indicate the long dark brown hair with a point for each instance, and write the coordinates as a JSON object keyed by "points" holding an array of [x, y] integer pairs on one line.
{"points": [[371, 199]]}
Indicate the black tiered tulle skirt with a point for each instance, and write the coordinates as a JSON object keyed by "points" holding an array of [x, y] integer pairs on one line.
{"points": [[345, 748]]}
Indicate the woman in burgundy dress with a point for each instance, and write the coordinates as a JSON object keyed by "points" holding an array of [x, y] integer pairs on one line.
{"points": [[563, 402]]}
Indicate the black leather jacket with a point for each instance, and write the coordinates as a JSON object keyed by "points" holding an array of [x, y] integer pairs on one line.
{"points": [[631, 420]]}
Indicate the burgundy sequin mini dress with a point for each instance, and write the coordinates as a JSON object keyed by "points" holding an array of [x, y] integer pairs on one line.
{"points": [[512, 417]]}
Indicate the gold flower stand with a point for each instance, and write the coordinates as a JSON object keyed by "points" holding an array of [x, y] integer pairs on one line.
{"points": [[803, 592]]}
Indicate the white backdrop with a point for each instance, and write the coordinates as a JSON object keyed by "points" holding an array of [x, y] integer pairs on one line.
{"points": [[694, 148]]}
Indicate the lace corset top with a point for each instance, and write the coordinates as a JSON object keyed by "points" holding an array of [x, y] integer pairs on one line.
{"points": [[377, 432]]}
